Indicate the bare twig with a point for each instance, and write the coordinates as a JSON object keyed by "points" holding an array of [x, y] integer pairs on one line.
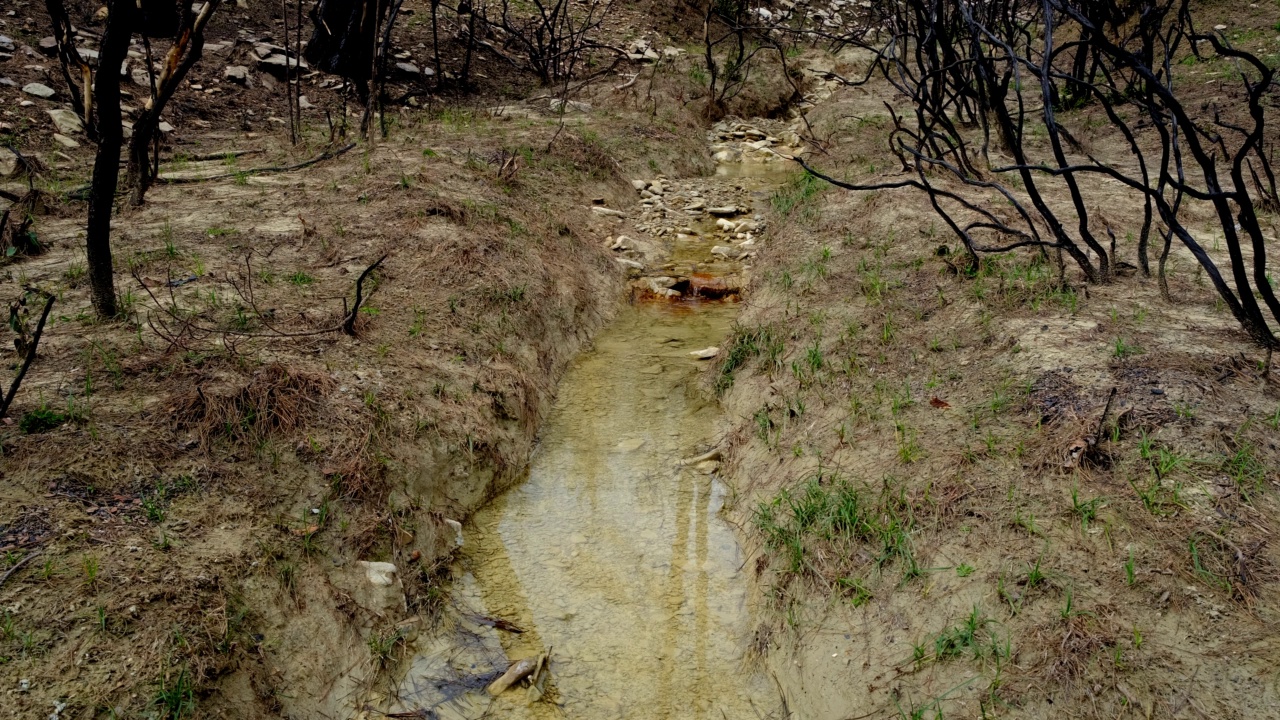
{"points": [[14, 569]]}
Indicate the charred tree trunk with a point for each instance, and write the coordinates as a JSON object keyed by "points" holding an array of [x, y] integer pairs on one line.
{"points": [[344, 38], [186, 51], [106, 166]]}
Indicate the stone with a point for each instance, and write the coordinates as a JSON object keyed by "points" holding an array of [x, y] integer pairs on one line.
{"points": [[379, 574], [724, 211], [140, 78], [41, 91], [408, 69], [48, 45], [726, 225], [628, 263], [373, 586], [608, 212], [164, 127], [65, 141], [8, 163], [8, 82], [264, 50], [6, 43], [705, 353], [238, 74], [67, 122], [457, 531], [722, 251], [89, 57], [279, 64], [100, 16], [304, 103], [639, 185]]}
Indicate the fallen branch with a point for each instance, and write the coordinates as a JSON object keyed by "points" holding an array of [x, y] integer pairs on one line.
{"points": [[17, 565], [349, 325], [31, 356]]}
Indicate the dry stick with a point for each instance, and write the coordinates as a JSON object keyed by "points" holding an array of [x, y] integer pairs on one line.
{"points": [[329, 155], [31, 356], [1105, 411], [14, 569], [349, 325]]}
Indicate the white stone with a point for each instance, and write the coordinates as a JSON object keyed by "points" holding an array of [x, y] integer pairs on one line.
{"points": [[237, 74], [607, 212], [457, 531], [67, 122], [380, 574], [39, 90], [722, 251], [164, 127], [705, 353], [65, 141]]}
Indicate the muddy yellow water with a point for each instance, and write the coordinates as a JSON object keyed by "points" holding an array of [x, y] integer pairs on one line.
{"points": [[611, 558]]}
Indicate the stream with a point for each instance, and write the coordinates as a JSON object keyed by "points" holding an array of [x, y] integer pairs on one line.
{"points": [[612, 559]]}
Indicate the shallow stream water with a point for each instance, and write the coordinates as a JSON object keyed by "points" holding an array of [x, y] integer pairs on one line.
{"points": [[611, 557]]}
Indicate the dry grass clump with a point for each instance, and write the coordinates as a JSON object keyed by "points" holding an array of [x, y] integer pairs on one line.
{"points": [[277, 399]]}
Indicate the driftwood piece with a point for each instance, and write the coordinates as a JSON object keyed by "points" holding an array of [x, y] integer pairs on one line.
{"points": [[514, 674]]}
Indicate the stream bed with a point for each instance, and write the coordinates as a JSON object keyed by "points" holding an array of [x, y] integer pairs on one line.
{"points": [[611, 561], [611, 556]]}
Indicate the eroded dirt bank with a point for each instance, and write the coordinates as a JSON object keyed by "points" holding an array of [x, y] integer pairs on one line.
{"points": [[985, 493]]}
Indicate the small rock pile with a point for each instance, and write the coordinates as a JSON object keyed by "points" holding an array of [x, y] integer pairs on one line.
{"points": [[735, 142]]}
